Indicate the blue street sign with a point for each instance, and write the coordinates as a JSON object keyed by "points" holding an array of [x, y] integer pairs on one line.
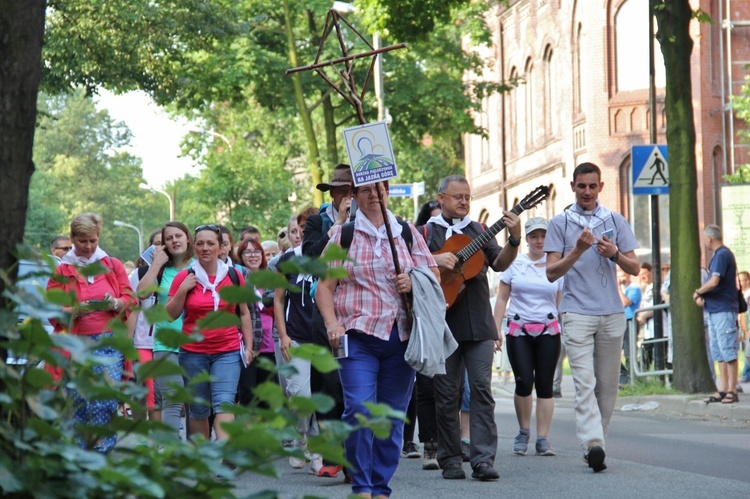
{"points": [[406, 190], [400, 190], [650, 169]]}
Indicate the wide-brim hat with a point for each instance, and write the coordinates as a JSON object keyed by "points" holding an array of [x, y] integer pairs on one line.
{"points": [[342, 177], [535, 223]]}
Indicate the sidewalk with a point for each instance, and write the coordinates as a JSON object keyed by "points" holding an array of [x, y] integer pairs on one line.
{"points": [[680, 405]]}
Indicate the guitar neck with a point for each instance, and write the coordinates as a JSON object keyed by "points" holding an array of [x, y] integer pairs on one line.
{"points": [[478, 242]]}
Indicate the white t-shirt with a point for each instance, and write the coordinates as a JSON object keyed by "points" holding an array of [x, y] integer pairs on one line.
{"points": [[141, 336], [532, 296]]}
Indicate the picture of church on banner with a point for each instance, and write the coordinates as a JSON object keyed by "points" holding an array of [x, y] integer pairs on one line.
{"points": [[370, 153]]}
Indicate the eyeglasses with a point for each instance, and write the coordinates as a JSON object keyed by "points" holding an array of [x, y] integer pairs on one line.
{"points": [[459, 197], [252, 253], [65, 248], [367, 191]]}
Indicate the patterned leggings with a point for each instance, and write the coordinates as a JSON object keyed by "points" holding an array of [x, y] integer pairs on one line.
{"points": [[99, 412]]}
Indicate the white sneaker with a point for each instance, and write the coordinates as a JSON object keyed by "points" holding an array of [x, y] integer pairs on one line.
{"points": [[299, 462], [316, 463]]}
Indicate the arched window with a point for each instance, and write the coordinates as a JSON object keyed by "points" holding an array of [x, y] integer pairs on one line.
{"points": [[511, 108], [550, 204], [577, 108], [550, 99], [529, 91], [631, 45], [484, 215]]}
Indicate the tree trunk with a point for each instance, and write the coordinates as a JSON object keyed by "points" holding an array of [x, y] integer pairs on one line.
{"points": [[304, 112], [21, 36], [691, 370]]}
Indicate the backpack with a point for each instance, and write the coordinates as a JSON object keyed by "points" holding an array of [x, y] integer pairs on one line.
{"points": [[347, 234]]}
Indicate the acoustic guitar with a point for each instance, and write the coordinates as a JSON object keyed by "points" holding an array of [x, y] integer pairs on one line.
{"points": [[470, 258]]}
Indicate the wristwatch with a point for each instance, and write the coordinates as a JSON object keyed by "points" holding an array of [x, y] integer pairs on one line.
{"points": [[116, 305], [615, 257], [514, 242]]}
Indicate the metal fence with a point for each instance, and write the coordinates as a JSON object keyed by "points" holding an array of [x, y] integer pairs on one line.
{"points": [[635, 365]]}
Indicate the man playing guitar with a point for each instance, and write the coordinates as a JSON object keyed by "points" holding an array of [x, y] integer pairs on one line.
{"points": [[470, 319]]}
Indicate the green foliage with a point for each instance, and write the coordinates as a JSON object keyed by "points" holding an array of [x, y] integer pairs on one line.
{"points": [[741, 106], [39, 452], [81, 166]]}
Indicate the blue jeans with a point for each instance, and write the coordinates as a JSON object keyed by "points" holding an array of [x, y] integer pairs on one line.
{"points": [[224, 369], [374, 371], [99, 412], [722, 328]]}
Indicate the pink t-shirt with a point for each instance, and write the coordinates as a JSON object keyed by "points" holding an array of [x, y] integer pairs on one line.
{"points": [[197, 305]]}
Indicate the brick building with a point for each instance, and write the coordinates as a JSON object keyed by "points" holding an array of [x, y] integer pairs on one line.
{"points": [[584, 97]]}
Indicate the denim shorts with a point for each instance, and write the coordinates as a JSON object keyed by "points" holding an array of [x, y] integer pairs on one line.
{"points": [[224, 369], [722, 330]]}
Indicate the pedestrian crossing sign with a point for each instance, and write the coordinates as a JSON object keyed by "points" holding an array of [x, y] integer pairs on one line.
{"points": [[650, 170]]}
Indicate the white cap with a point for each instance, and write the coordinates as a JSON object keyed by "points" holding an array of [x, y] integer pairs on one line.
{"points": [[535, 223]]}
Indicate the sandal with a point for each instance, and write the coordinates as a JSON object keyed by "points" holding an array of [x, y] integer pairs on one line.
{"points": [[719, 397], [730, 398]]}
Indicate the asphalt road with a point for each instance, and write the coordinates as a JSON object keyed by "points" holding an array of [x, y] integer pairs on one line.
{"points": [[648, 454]]}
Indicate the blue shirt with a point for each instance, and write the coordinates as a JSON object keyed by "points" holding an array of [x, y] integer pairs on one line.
{"points": [[723, 298], [633, 293]]}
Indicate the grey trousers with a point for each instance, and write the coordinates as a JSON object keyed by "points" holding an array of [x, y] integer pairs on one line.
{"points": [[164, 389], [476, 356]]}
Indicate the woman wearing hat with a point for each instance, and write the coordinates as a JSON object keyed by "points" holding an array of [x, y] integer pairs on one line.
{"points": [[533, 335]]}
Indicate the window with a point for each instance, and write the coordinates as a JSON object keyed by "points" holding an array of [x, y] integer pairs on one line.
{"points": [[577, 108], [550, 99], [631, 45], [512, 137], [529, 91]]}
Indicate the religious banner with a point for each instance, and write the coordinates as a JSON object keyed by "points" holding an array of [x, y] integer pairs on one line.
{"points": [[370, 153]]}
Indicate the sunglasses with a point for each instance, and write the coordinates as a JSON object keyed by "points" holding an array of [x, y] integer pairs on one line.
{"points": [[211, 227], [66, 248]]}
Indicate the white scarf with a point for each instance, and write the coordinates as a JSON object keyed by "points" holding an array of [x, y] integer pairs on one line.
{"points": [[456, 228], [363, 224], [587, 219], [222, 269], [524, 263], [70, 258], [331, 212]]}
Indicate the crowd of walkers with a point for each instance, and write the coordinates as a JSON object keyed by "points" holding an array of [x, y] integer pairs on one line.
{"points": [[547, 297]]}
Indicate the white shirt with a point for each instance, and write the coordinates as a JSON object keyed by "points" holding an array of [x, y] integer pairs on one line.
{"points": [[532, 296]]}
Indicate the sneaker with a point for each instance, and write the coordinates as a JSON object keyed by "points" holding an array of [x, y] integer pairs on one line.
{"points": [[543, 448], [330, 471], [557, 394], [521, 444], [316, 464], [595, 459], [466, 450], [430, 461], [299, 462], [411, 451], [454, 471], [485, 472]]}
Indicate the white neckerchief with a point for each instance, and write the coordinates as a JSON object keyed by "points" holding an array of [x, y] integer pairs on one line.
{"points": [[363, 224], [587, 219], [70, 258], [222, 269], [456, 228], [331, 212], [524, 263]]}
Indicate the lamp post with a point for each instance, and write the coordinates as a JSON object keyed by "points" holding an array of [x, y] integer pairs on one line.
{"points": [[172, 209], [140, 238], [199, 131]]}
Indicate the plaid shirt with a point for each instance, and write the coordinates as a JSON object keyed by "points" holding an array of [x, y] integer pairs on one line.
{"points": [[367, 299]]}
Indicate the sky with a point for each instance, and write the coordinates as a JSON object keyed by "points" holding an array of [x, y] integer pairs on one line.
{"points": [[156, 137]]}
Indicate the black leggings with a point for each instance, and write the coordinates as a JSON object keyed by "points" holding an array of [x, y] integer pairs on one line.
{"points": [[534, 359]]}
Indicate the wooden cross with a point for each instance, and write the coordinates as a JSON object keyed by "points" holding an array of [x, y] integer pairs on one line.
{"points": [[350, 94]]}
